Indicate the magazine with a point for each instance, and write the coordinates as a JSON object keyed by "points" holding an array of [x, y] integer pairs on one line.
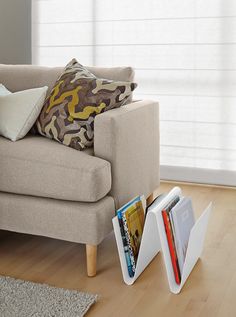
{"points": [[170, 238], [182, 221], [131, 221]]}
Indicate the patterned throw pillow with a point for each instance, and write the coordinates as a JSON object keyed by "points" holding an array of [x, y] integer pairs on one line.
{"points": [[77, 97]]}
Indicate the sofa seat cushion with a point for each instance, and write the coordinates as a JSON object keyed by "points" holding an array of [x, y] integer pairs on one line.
{"points": [[41, 167]]}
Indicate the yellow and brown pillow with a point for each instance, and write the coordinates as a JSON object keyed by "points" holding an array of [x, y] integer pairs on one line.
{"points": [[77, 97]]}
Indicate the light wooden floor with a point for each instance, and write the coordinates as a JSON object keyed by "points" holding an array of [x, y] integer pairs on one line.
{"points": [[209, 291]]}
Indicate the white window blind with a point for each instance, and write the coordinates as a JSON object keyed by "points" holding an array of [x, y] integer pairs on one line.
{"points": [[184, 55]]}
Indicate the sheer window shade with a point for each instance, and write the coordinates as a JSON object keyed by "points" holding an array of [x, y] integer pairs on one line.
{"points": [[184, 54]]}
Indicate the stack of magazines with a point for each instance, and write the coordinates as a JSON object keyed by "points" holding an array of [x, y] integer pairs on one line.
{"points": [[131, 221], [178, 218]]}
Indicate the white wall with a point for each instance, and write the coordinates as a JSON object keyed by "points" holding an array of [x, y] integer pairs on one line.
{"points": [[15, 31]]}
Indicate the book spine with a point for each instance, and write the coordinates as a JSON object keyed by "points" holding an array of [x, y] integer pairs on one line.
{"points": [[127, 236], [171, 245], [125, 245], [177, 242]]}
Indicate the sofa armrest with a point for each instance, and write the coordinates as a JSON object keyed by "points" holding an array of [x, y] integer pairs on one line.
{"points": [[128, 137]]}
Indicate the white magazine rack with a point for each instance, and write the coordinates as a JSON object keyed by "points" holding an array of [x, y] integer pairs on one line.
{"points": [[154, 239]]}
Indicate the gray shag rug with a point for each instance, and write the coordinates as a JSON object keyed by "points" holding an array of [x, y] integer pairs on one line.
{"points": [[26, 299]]}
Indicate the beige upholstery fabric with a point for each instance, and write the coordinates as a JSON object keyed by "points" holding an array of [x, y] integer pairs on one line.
{"points": [[41, 167], [21, 77], [79, 222], [128, 138]]}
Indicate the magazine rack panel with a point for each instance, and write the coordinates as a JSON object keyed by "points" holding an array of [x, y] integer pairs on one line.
{"points": [[149, 247], [154, 239]]}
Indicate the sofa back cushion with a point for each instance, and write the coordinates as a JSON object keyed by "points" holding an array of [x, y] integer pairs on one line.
{"points": [[22, 77]]}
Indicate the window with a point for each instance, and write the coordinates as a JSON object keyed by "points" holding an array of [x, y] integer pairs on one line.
{"points": [[184, 55]]}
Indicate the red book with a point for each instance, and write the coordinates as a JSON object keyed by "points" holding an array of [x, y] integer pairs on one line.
{"points": [[171, 245]]}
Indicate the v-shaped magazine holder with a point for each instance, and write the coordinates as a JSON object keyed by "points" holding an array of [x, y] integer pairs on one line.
{"points": [[149, 247], [154, 239]]}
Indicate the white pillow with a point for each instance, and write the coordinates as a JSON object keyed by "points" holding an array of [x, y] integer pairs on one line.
{"points": [[19, 111], [4, 91]]}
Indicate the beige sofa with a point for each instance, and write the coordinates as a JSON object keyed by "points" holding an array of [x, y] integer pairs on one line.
{"points": [[51, 190]]}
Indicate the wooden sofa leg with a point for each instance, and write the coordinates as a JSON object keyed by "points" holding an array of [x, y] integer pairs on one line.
{"points": [[150, 199], [91, 256]]}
